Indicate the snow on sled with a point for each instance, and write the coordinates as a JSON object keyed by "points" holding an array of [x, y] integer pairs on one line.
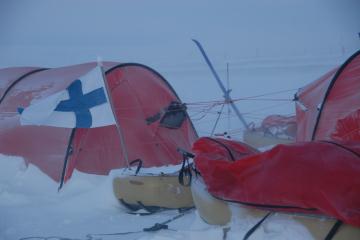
{"points": [[152, 119], [152, 189], [314, 184]]}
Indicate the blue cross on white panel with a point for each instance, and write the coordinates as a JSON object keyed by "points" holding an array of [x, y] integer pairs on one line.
{"points": [[83, 104], [80, 103]]}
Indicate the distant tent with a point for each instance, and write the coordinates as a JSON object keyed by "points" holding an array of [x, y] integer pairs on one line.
{"points": [[153, 119], [329, 108]]}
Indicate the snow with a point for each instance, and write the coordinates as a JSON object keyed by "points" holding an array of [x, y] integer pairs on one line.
{"points": [[30, 206], [270, 46], [166, 169]]}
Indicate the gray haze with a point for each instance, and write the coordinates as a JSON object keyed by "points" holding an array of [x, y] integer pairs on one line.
{"points": [[52, 33], [270, 45]]}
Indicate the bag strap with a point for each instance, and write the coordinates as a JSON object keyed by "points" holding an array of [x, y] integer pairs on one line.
{"points": [[139, 162]]}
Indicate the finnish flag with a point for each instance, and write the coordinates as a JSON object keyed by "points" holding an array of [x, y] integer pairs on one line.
{"points": [[83, 104]]}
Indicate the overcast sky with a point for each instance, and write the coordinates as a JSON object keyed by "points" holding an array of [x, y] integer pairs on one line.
{"points": [[74, 31], [271, 45]]}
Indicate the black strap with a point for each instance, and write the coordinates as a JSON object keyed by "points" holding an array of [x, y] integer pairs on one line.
{"points": [[156, 227], [256, 226], [185, 171], [343, 147], [266, 206], [224, 146], [185, 153], [186, 167], [139, 162], [333, 230], [225, 232]]}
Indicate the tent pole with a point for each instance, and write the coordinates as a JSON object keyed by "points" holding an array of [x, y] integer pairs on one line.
{"points": [[118, 126], [68, 153], [228, 99]]}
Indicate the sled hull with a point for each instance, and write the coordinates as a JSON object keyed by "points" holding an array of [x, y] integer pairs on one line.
{"points": [[162, 191]]}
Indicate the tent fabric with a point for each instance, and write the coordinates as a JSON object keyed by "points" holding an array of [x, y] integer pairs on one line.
{"points": [[9, 76], [311, 177], [326, 104], [137, 92]]}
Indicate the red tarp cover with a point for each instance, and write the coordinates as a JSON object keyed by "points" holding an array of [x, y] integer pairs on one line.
{"points": [[295, 178]]}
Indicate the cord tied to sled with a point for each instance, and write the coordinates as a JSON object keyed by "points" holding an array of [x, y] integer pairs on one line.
{"points": [[139, 162], [185, 171]]}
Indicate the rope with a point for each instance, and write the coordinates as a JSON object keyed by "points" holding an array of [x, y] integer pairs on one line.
{"points": [[217, 120], [156, 227], [244, 114], [256, 226], [255, 97], [52, 238]]}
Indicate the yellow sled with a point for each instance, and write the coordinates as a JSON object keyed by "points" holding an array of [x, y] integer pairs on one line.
{"points": [[217, 212], [152, 191]]}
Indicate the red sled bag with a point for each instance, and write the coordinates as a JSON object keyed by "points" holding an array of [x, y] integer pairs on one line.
{"points": [[311, 177]]}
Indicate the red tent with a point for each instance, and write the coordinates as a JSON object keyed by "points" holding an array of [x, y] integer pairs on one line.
{"points": [[153, 120], [329, 107]]}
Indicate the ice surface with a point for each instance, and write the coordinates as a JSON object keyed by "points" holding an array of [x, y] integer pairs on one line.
{"points": [[31, 206]]}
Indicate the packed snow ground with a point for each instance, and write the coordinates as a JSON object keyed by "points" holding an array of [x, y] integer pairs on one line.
{"points": [[31, 206]]}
